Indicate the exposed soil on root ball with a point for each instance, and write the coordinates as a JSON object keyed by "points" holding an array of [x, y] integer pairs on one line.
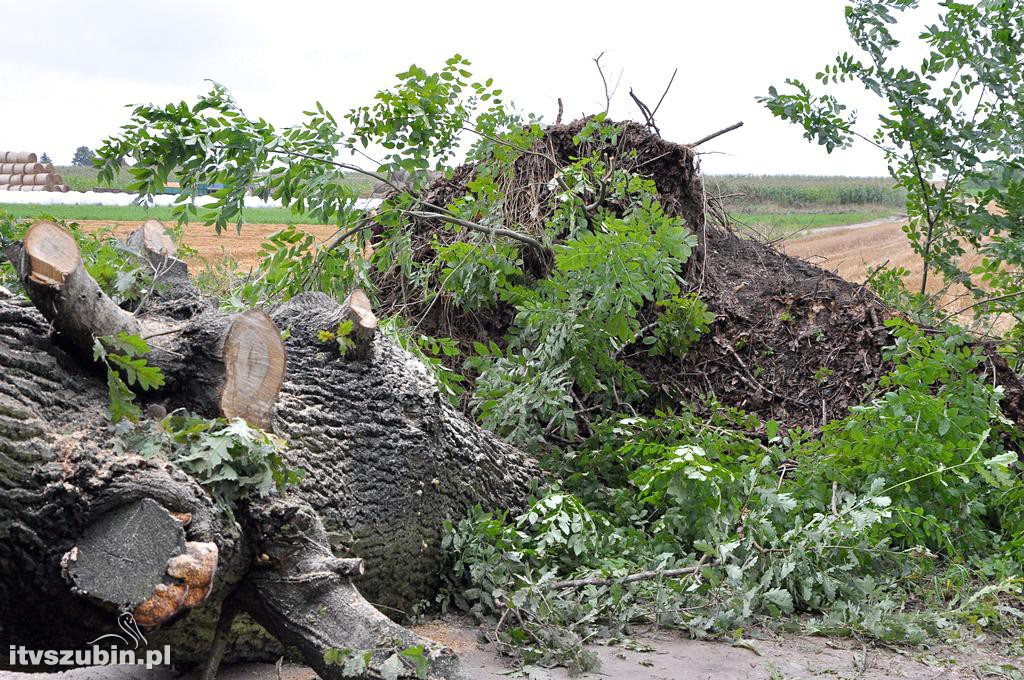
{"points": [[790, 342]]}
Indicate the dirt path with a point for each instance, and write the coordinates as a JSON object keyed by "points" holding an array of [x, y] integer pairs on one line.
{"points": [[851, 250], [658, 656]]}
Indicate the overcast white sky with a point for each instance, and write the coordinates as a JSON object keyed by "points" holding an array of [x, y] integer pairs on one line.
{"points": [[69, 68]]}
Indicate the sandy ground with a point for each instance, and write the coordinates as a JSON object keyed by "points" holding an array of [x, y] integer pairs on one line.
{"points": [[656, 656], [244, 247], [852, 251]]}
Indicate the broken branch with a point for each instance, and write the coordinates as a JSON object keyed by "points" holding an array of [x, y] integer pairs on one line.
{"points": [[484, 229], [632, 578], [717, 134]]}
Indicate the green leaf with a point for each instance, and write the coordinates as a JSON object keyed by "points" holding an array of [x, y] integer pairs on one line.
{"points": [[780, 598], [392, 668]]}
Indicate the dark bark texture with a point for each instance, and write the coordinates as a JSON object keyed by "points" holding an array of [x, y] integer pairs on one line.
{"points": [[387, 459], [386, 455], [58, 475]]}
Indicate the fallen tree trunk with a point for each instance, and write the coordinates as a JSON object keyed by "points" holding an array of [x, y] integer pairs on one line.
{"points": [[387, 460], [229, 364]]}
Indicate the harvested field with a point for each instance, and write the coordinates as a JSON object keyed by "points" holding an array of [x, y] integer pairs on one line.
{"points": [[244, 247], [852, 251]]}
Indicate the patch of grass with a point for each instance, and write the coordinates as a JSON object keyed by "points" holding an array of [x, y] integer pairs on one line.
{"points": [[784, 225], [87, 179], [135, 213]]}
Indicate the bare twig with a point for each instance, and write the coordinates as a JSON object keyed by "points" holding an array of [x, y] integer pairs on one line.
{"points": [[339, 236], [604, 82], [482, 228], [646, 111], [717, 134], [997, 298], [667, 88], [338, 164], [750, 375], [632, 578]]}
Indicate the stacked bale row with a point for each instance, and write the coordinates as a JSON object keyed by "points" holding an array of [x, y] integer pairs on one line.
{"points": [[21, 171]]}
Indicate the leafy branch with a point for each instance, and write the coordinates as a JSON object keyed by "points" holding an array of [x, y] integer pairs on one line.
{"points": [[124, 358]]}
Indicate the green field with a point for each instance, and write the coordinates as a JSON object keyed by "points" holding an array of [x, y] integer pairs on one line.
{"points": [[135, 213], [766, 193], [785, 193], [773, 226], [783, 206], [767, 206], [85, 179]]}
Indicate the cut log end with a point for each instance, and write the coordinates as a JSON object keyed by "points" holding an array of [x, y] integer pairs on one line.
{"points": [[50, 253], [254, 363], [50, 267], [358, 310], [152, 238], [123, 556], [152, 243]]}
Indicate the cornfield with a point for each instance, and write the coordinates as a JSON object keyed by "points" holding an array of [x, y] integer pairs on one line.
{"points": [[804, 191]]}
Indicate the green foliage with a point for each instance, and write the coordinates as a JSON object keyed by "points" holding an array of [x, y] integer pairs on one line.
{"points": [[214, 142], [291, 262], [571, 327], [11, 230], [612, 256], [231, 459], [83, 156], [340, 336], [931, 427], [431, 352], [914, 481], [395, 661], [955, 117], [420, 121], [476, 272], [124, 358], [682, 321], [119, 273], [889, 283]]}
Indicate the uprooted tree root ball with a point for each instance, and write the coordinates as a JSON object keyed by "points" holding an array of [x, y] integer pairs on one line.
{"points": [[790, 341]]}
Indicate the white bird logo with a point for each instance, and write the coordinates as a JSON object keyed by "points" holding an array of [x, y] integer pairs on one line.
{"points": [[126, 622]]}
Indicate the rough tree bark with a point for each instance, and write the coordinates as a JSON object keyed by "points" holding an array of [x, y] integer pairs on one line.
{"points": [[387, 459]]}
